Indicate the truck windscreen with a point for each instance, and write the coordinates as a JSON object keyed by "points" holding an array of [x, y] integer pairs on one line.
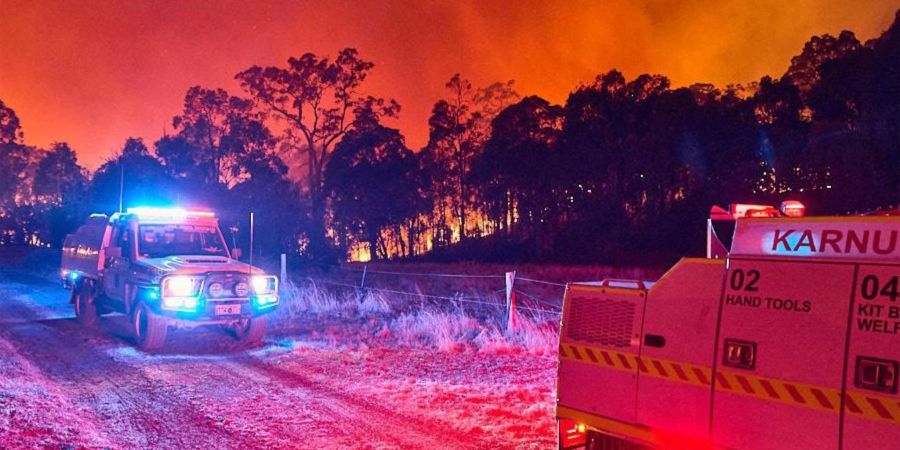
{"points": [[158, 241]]}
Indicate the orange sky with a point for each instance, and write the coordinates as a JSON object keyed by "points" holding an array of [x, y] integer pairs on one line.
{"points": [[94, 72]]}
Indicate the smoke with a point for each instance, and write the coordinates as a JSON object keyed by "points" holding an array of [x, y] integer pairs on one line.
{"points": [[94, 74]]}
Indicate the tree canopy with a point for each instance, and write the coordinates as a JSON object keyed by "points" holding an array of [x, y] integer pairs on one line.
{"points": [[625, 170]]}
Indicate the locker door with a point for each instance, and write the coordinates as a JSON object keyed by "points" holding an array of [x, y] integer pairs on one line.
{"points": [[779, 364], [872, 404], [599, 346]]}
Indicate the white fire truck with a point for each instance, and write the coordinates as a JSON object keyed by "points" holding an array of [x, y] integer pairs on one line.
{"points": [[164, 267], [787, 336]]}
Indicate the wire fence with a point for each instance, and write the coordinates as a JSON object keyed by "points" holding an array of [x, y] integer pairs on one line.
{"points": [[421, 274], [503, 291], [522, 301], [456, 298], [546, 283]]}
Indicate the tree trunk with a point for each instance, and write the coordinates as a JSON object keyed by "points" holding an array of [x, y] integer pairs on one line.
{"points": [[462, 194], [318, 243], [372, 237]]}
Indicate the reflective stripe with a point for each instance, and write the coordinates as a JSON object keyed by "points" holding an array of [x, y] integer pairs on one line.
{"points": [[858, 404]]}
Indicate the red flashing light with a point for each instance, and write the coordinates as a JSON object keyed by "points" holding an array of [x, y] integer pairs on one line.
{"points": [[719, 213], [572, 434], [793, 208]]}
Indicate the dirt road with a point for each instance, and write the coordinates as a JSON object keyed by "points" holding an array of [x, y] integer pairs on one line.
{"points": [[62, 385]]}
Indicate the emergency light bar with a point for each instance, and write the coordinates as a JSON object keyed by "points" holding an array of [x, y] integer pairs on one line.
{"points": [[793, 208], [167, 213], [748, 210], [788, 208]]}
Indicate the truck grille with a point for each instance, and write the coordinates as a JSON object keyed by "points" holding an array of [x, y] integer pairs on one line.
{"points": [[603, 322]]}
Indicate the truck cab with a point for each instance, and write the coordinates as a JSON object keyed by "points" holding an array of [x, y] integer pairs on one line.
{"points": [[165, 267], [787, 335]]}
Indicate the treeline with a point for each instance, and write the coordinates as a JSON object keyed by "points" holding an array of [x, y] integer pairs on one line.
{"points": [[624, 171]]}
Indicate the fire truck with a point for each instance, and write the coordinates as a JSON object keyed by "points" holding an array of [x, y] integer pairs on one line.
{"points": [[164, 267], [785, 336]]}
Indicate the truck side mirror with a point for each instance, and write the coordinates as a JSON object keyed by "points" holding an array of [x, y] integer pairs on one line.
{"points": [[113, 252], [235, 253]]}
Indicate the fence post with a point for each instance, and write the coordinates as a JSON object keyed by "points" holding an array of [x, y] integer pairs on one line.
{"points": [[283, 268], [362, 282], [511, 318]]}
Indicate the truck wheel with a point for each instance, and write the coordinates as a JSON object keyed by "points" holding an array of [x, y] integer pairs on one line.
{"points": [[149, 328], [85, 310], [250, 330]]}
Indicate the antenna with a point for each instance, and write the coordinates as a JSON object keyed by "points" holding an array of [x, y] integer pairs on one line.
{"points": [[121, 181], [251, 242]]}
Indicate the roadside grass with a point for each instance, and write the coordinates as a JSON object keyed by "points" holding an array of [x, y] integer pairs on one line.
{"points": [[446, 325], [448, 307]]}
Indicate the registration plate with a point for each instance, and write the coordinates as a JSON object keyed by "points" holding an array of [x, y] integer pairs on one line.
{"points": [[227, 310]]}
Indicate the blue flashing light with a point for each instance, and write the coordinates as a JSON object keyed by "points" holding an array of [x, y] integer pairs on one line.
{"points": [[181, 304], [73, 276], [166, 213], [152, 294], [153, 211], [265, 301]]}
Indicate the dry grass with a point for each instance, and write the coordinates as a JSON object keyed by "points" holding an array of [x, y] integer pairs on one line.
{"points": [[410, 320], [449, 313]]}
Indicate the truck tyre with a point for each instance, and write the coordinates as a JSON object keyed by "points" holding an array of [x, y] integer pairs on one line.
{"points": [[149, 328], [85, 309], [250, 330]]}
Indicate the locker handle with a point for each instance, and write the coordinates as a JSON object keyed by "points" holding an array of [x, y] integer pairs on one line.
{"points": [[654, 340], [876, 374], [739, 354]]}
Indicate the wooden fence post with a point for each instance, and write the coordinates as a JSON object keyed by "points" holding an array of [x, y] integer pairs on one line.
{"points": [[511, 318]]}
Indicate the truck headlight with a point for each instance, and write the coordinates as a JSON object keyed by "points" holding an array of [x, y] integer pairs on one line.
{"points": [[181, 292], [265, 290], [263, 284], [181, 286]]}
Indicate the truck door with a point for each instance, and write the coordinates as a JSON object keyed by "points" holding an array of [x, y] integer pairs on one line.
{"points": [[872, 405], [780, 347], [599, 348], [679, 325], [117, 267]]}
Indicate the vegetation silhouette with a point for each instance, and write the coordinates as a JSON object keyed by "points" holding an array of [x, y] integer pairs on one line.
{"points": [[624, 171]]}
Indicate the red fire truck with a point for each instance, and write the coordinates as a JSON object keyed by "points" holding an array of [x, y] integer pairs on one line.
{"points": [[786, 336]]}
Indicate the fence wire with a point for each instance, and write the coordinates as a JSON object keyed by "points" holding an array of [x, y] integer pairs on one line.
{"points": [[458, 298], [546, 283], [422, 274], [537, 304]]}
